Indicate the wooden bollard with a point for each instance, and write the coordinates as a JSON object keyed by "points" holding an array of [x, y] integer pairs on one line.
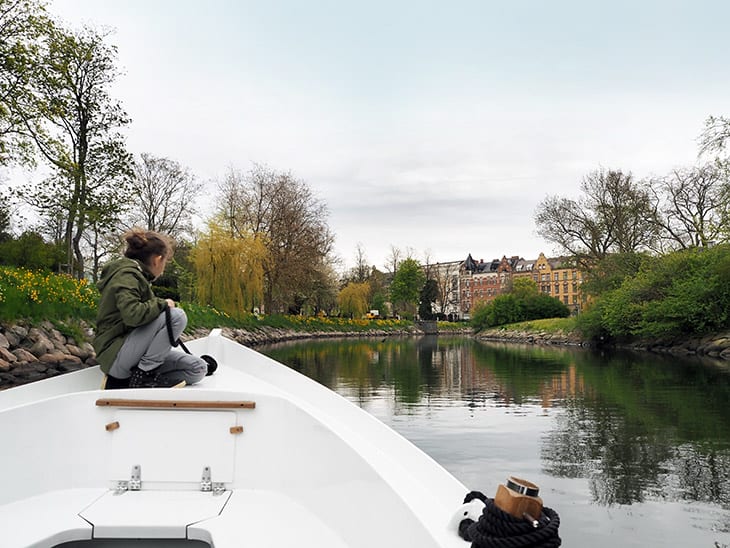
{"points": [[519, 499]]}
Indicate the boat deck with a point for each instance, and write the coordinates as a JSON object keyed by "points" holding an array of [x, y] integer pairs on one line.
{"points": [[289, 462]]}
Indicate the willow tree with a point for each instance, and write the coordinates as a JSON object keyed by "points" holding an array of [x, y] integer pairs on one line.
{"points": [[353, 299], [284, 212], [229, 270]]}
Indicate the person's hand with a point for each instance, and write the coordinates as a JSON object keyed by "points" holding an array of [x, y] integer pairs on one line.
{"points": [[170, 303]]}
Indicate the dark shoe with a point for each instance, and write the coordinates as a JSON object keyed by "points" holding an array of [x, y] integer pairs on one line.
{"points": [[152, 379], [212, 364], [113, 383]]}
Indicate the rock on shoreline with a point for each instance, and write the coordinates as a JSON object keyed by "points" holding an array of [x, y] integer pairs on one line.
{"points": [[33, 352], [30, 352]]}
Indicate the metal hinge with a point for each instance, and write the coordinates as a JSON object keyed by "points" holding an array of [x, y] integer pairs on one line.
{"points": [[134, 483], [208, 485]]}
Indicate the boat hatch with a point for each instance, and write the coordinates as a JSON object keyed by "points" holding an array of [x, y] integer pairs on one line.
{"points": [[165, 478], [181, 446], [152, 514]]}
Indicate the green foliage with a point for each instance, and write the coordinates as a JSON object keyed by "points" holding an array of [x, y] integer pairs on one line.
{"points": [[353, 299], [209, 317], [589, 323], [518, 306], [406, 285], [230, 270], [4, 221], [609, 273], [41, 295], [686, 292], [429, 295], [29, 250], [332, 324], [524, 288]]}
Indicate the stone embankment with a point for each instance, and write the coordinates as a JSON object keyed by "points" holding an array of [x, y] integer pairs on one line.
{"points": [[269, 335], [715, 346], [558, 338], [29, 353], [33, 352]]}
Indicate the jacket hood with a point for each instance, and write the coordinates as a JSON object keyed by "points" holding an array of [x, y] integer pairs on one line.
{"points": [[119, 265]]}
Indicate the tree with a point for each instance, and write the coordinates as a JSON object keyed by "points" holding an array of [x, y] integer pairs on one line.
{"points": [[323, 298], [693, 205], [615, 214], [68, 113], [230, 270], [406, 285], [21, 25], [378, 296], [393, 259], [523, 302], [163, 193], [524, 288], [4, 222], [428, 296], [362, 270], [293, 224], [611, 271], [353, 299], [446, 276], [657, 302], [31, 251], [715, 136]]}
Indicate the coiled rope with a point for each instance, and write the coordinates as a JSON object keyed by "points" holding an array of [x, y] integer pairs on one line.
{"points": [[498, 529]]}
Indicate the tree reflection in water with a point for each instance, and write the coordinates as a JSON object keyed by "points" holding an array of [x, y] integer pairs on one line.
{"points": [[636, 427]]}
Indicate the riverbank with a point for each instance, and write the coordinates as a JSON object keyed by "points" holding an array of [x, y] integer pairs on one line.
{"points": [[31, 352], [716, 345]]}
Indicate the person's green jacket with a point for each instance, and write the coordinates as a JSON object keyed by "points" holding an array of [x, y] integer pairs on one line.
{"points": [[126, 302]]}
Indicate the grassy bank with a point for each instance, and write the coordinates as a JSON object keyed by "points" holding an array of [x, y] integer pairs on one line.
{"points": [[549, 325], [65, 301]]}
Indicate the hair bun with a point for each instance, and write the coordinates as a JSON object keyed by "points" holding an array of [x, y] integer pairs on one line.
{"points": [[141, 244]]}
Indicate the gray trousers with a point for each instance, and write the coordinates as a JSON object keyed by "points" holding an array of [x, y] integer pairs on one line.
{"points": [[148, 347]]}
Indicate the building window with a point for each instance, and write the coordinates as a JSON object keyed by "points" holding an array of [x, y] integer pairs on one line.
{"points": [[557, 288], [565, 287], [565, 274], [556, 276]]}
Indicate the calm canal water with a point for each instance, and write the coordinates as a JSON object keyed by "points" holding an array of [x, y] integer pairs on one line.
{"points": [[629, 449]]}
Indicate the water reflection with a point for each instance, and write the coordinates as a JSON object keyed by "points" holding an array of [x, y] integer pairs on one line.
{"points": [[636, 428]]}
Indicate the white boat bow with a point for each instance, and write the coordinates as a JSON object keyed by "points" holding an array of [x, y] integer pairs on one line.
{"points": [[256, 455]]}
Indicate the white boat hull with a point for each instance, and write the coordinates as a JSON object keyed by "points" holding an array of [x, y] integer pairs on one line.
{"points": [[304, 466]]}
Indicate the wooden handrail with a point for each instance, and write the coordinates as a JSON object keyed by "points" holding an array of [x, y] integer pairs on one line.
{"points": [[176, 404]]}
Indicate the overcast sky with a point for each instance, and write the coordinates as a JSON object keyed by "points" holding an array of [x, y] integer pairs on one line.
{"points": [[434, 126]]}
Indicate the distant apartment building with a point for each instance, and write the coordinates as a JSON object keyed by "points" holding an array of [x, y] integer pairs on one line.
{"points": [[464, 284], [483, 281], [554, 277]]}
